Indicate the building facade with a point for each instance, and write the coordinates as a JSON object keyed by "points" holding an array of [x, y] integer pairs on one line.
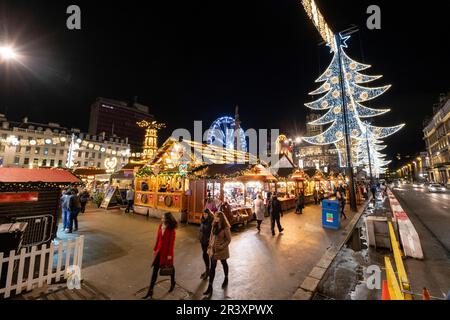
{"points": [[119, 118], [30, 145], [308, 156], [437, 141]]}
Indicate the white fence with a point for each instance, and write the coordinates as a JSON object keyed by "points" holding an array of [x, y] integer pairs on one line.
{"points": [[44, 265]]}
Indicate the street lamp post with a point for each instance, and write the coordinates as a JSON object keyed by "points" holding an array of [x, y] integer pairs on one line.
{"points": [[346, 131]]}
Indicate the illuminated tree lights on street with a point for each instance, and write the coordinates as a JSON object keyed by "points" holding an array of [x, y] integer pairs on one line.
{"points": [[355, 95]]}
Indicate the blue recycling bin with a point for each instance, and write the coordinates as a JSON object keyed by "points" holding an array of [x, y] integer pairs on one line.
{"points": [[331, 214]]}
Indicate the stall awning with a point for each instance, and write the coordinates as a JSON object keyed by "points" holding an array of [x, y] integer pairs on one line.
{"points": [[25, 175], [88, 171]]}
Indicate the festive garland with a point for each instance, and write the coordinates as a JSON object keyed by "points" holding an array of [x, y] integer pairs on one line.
{"points": [[34, 186]]}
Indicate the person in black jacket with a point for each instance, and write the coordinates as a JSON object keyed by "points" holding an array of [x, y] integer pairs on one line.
{"points": [[204, 235], [84, 197], [275, 213], [300, 203]]}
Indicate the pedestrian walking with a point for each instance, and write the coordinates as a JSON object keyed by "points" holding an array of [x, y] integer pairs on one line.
{"points": [[340, 195], [300, 202], [74, 209], [275, 214], [84, 197], [163, 253], [204, 235], [316, 196], [373, 189], [219, 242], [259, 209], [321, 195], [130, 199], [65, 212]]}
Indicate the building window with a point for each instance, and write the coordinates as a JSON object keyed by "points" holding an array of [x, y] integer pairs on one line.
{"points": [[93, 155], [35, 162], [52, 163], [63, 144], [18, 149], [54, 151], [79, 154], [99, 155], [45, 151], [26, 161], [2, 148], [16, 160], [99, 165], [86, 155], [61, 152], [37, 150], [44, 162], [85, 163], [28, 150], [60, 163]]}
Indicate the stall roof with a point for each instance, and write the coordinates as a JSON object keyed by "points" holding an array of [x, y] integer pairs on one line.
{"points": [[197, 154], [227, 171], [88, 171], [25, 175]]}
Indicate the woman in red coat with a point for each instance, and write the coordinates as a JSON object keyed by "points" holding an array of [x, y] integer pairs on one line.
{"points": [[163, 251]]}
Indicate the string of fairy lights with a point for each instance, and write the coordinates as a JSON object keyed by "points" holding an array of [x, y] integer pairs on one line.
{"points": [[343, 76]]}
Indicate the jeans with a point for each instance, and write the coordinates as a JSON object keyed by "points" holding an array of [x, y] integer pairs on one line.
{"points": [[83, 206], [129, 206], [65, 218], [258, 226], [276, 220], [205, 255], [73, 221], [212, 271]]}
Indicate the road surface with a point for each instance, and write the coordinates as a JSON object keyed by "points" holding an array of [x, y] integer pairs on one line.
{"points": [[430, 214]]}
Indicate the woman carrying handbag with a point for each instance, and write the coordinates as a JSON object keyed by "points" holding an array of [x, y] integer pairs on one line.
{"points": [[163, 252]]}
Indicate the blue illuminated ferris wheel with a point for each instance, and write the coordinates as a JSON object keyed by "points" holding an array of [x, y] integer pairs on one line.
{"points": [[222, 133]]}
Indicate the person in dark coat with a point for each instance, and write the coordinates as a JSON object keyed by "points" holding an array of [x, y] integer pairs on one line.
{"points": [[300, 203], [203, 235], [275, 214], [74, 206], [321, 195], [340, 196], [84, 197], [316, 195], [163, 251], [218, 249]]}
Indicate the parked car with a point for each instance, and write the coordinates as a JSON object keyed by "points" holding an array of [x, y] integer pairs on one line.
{"points": [[436, 187]]}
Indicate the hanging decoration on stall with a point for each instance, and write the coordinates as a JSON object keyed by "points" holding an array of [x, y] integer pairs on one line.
{"points": [[183, 170], [343, 94]]}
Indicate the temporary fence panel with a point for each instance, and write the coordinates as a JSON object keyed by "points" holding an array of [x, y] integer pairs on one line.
{"points": [[39, 274]]}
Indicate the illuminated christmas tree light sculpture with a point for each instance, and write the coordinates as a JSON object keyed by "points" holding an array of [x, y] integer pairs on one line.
{"points": [[355, 95]]}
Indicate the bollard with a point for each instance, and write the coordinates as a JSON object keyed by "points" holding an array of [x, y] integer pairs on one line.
{"points": [[385, 291], [425, 294]]}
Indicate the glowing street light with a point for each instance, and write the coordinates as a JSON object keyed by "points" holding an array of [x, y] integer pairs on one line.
{"points": [[7, 53]]}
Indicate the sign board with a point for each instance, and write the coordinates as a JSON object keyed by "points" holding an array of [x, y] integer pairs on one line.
{"points": [[17, 197], [112, 198]]}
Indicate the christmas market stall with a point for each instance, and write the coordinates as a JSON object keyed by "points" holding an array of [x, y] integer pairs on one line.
{"points": [[92, 177], [32, 196], [184, 174], [290, 182]]}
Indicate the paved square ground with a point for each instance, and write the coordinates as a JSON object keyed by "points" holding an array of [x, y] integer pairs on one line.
{"points": [[118, 256]]}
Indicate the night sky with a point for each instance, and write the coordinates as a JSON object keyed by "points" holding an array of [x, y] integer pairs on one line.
{"points": [[195, 60]]}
